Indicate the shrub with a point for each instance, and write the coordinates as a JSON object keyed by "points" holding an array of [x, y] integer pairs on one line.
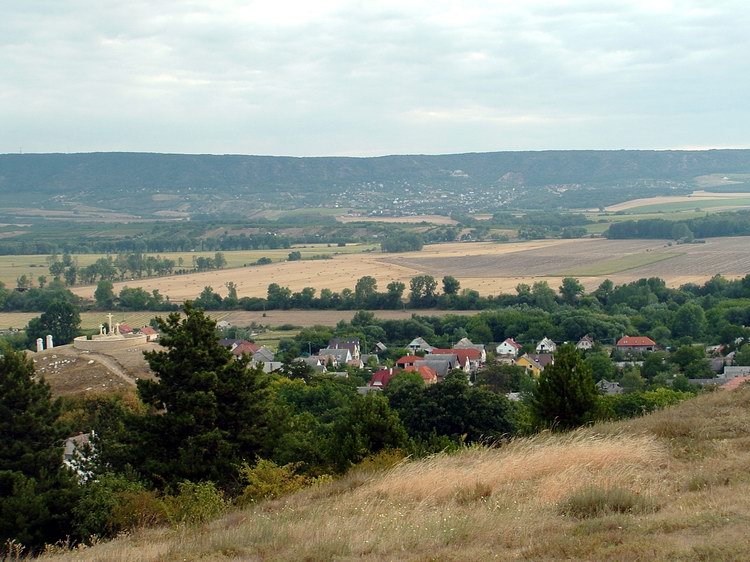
{"points": [[266, 480], [195, 503], [138, 509], [595, 502]]}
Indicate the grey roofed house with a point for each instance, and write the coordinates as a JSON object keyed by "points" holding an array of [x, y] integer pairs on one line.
{"points": [[466, 343], [315, 362], [264, 354], [352, 344], [450, 358], [606, 387], [419, 344], [442, 368], [367, 356], [586, 342], [230, 343], [270, 366], [341, 355]]}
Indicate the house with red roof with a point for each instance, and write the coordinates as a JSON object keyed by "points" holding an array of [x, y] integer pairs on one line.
{"points": [[245, 347], [635, 344], [382, 377], [508, 349], [150, 333]]}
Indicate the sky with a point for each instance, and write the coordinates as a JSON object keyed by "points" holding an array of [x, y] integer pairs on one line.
{"points": [[339, 77]]}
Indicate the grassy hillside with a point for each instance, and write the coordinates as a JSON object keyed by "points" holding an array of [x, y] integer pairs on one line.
{"points": [[674, 485]]}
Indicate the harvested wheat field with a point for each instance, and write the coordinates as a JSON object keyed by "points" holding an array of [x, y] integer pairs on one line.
{"points": [[487, 267], [701, 196], [673, 485], [414, 219]]}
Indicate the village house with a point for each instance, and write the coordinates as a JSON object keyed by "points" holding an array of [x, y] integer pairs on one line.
{"points": [[635, 344], [508, 349], [535, 363], [381, 378], [419, 344], [429, 376], [245, 347], [340, 355], [150, 333], [407, 361], [352, 344], [317, 364], [467, 359], [466, 343], [585, 343], [606, 387], [441, 364], [546, 346], [78, 451]]}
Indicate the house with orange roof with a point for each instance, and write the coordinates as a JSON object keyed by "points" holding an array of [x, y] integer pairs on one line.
{"points": [[428, 374], [635, 344], [407, 361]]}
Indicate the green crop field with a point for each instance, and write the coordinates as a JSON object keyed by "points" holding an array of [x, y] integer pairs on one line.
{"points": [[617, 265]]}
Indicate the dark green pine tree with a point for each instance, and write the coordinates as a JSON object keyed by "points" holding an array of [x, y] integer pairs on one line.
{"points": [[210, 411], [566, 396], [36, 492]]}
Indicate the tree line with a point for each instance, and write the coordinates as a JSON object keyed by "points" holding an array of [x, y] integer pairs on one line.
{"points": [[712, 225]]}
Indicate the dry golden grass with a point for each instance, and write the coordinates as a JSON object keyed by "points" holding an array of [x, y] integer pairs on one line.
{"points": [[689, 463]]}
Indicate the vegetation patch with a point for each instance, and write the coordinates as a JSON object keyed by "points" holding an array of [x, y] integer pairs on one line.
{"points": [[624, 263], [596, 502]]}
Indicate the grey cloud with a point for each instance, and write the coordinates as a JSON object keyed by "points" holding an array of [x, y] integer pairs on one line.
{"points": [[360, 78]]}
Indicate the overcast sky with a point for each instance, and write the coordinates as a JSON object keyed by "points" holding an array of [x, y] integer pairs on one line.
{"points": [[325, 77]]}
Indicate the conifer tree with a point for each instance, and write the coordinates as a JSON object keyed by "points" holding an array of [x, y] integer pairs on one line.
{"points": [[36, 491], [209, 409], [566, 395]]}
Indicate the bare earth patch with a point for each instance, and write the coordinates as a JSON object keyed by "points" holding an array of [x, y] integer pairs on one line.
{"points": [[70, 371]]}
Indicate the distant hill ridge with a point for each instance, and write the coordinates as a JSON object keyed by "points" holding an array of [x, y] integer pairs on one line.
{"points": [[65, 172]]}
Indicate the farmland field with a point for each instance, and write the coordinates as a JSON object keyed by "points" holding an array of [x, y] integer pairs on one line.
{"points": [[416, 219], [272, 318], [702, 199], [486, 267], [12, 267]]}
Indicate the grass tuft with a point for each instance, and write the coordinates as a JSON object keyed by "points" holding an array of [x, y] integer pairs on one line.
{"points": [[595, 502]]}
